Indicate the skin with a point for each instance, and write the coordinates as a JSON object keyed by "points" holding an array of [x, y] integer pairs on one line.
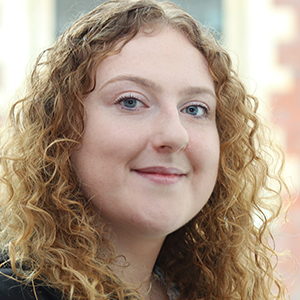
{"points": [[150, 152]]}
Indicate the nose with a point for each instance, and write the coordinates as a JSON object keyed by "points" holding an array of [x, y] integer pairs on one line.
{"points": [[170, 135]]}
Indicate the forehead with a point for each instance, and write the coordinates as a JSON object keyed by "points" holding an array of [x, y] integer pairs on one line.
{"points": [[162, 50]]}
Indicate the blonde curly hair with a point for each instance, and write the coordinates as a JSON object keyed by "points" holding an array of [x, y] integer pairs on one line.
{"points": [[48, 227]]}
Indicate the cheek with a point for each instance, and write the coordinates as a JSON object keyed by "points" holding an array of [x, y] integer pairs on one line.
{"points": [[204, 148], [107, 129], [109, 143]]}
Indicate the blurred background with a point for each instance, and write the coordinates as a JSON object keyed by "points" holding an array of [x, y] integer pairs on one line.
{"points": [[262, 36]]}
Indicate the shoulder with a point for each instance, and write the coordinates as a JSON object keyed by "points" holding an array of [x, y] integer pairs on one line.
{"points": [[11, 289]]}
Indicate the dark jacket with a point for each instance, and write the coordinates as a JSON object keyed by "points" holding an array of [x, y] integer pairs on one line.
{"points": [[11, 289]]}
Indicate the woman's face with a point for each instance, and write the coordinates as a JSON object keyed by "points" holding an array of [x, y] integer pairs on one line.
{"points": [[150, 152]]}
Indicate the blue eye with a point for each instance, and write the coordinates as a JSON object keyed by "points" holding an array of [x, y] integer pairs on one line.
{"points": [[130, 103], [196, 110]]}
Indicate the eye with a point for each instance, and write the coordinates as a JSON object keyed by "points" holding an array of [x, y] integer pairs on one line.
{"points": [[129, 102], [196, 110]]}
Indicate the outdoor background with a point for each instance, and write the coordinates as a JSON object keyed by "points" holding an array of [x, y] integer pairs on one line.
{"points": [[262, 36]]}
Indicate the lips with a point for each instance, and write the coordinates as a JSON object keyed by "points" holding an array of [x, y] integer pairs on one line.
{"points": [[161, 175]]}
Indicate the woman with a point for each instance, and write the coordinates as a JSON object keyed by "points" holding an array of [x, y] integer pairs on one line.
{"points": [[135, 167]]}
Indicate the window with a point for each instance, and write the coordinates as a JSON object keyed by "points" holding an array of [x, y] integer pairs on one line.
{"points": [[206, 12]]}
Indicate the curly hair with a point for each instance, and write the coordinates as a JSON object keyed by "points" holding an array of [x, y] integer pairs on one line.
{"points": [[48, 226]]}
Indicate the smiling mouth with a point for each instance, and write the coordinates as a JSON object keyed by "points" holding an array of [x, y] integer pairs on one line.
{"points": [[161, 175]]}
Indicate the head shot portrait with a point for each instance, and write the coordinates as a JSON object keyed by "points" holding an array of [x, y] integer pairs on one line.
{"points": [[137, 166]]}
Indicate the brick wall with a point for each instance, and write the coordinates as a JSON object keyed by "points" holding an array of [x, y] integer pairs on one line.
{"points": [[286, 114]]}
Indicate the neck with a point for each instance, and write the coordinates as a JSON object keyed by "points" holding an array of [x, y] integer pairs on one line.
{"points": [[135, 263]]}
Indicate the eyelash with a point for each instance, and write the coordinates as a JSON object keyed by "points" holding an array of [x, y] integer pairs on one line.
{"points": [[132, 97], [201, 106], [127, 97]]}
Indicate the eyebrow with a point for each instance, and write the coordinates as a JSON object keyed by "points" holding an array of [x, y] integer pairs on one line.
{"points": [[189, 91], [192, 91]]}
